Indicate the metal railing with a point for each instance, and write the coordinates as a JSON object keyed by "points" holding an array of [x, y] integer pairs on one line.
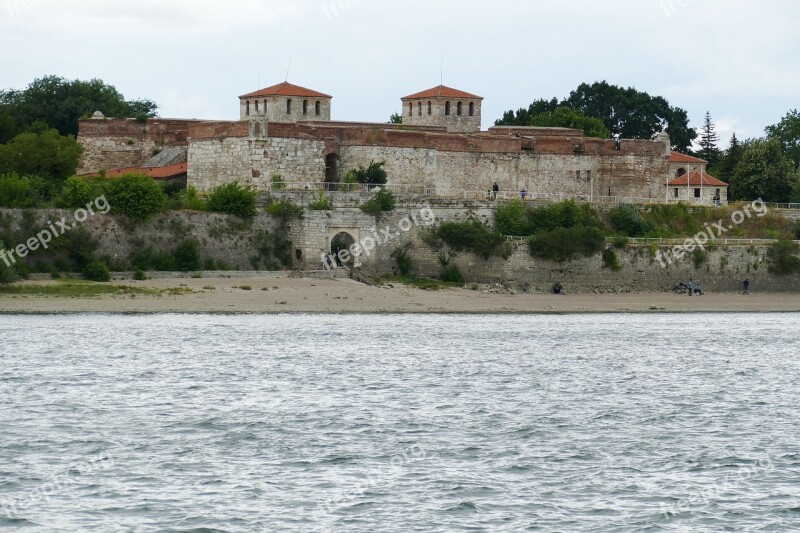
{"points": [[713, 242]]}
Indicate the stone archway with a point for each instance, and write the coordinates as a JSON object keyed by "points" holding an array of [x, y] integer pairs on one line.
{"points": [[343, 241]]}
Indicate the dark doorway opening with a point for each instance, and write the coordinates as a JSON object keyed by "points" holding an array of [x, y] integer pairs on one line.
{"points": [[343, 241], [331, 171]]}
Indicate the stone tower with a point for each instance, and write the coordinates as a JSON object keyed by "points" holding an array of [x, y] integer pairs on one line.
{"points": [[456, 110], [285, 102]]}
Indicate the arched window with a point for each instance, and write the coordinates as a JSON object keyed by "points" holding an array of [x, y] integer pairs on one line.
{"points": [[430, 108], [305, 107], [447, 108], [411, 109], [317, 108], [248, 108], [265, 106], [472, 109], [289, 107], [680, 172], [459, 109], [419, 109], [256, 106]]}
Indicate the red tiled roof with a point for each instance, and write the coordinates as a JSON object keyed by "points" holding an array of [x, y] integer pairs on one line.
{"points": [[696, 179], [442, 92], [286, 89], [677, 157], [159, 173]]}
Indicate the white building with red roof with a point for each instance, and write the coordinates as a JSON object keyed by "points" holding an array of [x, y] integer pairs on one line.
{"points": [[690, 181], [456, 110]]}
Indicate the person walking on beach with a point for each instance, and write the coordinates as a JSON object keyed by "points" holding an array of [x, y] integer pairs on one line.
{"points": [[495, 190], [690, 286], [746, 285]]}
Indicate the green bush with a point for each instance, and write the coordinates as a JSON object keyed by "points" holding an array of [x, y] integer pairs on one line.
{"points": [[476, 237], [451, 274], [233, 199], [382, 201], [187, 256], [21, 191], [138, 197], [149, 259], [139, 275], [565, 244], [78, 192], [322, 203], [611, 260], [626, 219], [403, 259], [700, 257], [285, 210], [374, 174], [278, 183], [782, 257], [97, 271], [518, 219], [620, 242], [512, 219], [190, 200], [8, 273]]}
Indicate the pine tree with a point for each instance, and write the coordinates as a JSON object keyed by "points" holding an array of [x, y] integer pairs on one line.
{"points": [[727, 164], [708, 141]]}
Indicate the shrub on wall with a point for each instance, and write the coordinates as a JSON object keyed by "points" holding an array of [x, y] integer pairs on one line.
{"points": [[187, 256], [322, 203], [278, 183], [627, 220], [403, 259], [8, 274], [233, 199], [565, 244], [611, 260], [475, 237], [79, 192], [285, 210], [374, 174], [517, 219], [782, 257], [138, 197], [451, 274], [383, 201]]}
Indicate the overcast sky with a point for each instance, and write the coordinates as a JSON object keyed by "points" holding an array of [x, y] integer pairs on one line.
{"points": [[738, 59]]}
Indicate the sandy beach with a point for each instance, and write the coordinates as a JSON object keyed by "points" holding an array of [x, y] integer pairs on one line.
{"points": [[294, 295]]}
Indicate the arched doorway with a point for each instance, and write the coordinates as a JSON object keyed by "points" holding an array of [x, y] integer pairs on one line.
{"points": [[331, 170], [343, 241]]}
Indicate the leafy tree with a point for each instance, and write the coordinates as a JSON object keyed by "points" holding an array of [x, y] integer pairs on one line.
{"points": [[60, 103], [41, 152], [8, 126], [187, 256], [626, 113], [374, 174], [764, 171], [138, 197], [383, 201], [396, 118], [21, 191], [233, 199], [709, 141], [787, 132], [729, 160], [564, 117]]}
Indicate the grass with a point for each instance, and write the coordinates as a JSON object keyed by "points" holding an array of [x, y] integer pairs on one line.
{"points": [[72, 288], [425, 284]]}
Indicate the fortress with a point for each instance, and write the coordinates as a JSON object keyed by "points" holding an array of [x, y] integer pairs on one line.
{"points": [[439, 149]]}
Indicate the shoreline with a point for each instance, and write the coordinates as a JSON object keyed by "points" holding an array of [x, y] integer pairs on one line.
{"points": [[343, 296]]}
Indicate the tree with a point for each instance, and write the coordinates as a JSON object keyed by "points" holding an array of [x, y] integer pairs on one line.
{"points": [[729, 160], [787, 131], [41, 152], [396, 118], [565, 117], [8, 126], [764, 171], [60, 103], [709, 141], [626, 113]]}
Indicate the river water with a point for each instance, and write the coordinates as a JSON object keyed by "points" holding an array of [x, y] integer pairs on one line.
{"points": [[399, 423]]}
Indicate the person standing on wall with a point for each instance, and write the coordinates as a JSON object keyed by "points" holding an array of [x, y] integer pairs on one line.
{"points": [[495, 190]]}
